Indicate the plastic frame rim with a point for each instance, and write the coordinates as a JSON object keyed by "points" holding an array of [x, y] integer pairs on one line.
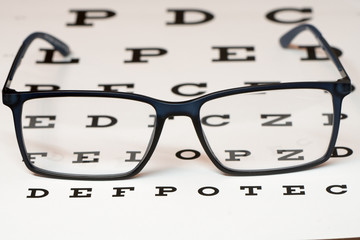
{"points": [[165, 109]]}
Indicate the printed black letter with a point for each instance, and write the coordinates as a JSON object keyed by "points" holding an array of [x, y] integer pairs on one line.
{"points": [[34, 191], [213, 191], [120, 191], [83, 157], [180, 16], [78, 193], [138, 53], [132, 157], [195, 155], [82, 15], [205, 120], [224, 54], [177, 91], [49, 58], [336, 153], [164, 190], [273, 15], [108, 87], [36, 122], [274, 122], [311, 53], [292, 190], [42, 87], [250, 190], [111, 121], [235, 154], [289, 157], [329, 189], [31, 155]]}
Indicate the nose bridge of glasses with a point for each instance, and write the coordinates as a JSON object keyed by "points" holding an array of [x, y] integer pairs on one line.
{"points": [[171, 109]]}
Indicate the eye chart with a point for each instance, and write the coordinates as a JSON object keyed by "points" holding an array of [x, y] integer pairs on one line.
{"points": [[177, 51]]}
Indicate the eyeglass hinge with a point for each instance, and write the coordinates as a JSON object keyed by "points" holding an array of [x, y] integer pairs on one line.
{"points": [[10, 96], [344, 87]]}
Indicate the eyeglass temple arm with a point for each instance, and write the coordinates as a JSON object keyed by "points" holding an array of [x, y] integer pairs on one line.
{"points": [[56, 43], [286, 39]]}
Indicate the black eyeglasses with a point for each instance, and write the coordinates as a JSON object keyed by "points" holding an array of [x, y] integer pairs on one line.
{"points": [[264, 129]]}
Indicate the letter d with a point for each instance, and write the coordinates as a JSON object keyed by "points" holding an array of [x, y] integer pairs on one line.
{"points": [[37, 193], [181, 13]]}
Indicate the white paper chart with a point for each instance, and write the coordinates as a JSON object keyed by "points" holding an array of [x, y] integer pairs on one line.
{"points": [[178, 51]]}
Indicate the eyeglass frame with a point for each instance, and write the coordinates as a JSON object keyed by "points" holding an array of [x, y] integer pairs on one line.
{"points": [[165, 109]]}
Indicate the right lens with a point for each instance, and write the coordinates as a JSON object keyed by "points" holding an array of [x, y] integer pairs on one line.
{"points": [[269, 129], [87, 135]]}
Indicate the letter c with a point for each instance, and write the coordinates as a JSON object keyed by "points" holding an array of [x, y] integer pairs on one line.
{"points": [[177, 88], [329, 189], [272, 16]]}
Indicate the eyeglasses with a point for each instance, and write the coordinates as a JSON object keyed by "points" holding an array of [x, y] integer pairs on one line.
{"points": [[255, 130]]}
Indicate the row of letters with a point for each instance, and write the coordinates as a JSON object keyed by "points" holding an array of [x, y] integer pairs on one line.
{"points": [[190, 154], [188, 16], [206, 191], [232, 53], [217, 120]]}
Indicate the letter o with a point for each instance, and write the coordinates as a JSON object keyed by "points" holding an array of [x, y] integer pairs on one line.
{"points": [[179, 154], [214, 191]]}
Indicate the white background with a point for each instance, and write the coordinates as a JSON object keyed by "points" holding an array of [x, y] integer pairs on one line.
{"points": [[184, 214]]}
